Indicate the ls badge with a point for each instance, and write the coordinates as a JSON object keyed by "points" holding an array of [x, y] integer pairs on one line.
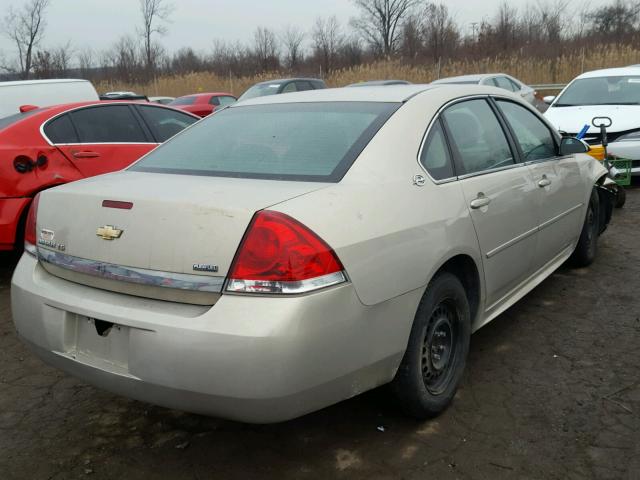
{"points": [[109, 232]]}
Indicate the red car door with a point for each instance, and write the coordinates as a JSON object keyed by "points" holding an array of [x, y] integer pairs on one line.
{"points": [[108, 137]]}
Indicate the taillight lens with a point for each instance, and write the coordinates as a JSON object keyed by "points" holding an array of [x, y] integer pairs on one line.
{"points": [[280, 255], [30, 230]]}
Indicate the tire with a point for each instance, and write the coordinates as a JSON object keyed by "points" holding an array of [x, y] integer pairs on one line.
{"points": [[587, 248], [436, 354], [621, 197]]}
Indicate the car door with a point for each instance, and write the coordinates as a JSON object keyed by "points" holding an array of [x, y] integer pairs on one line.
{"points": [[559, 186], [109, 137], [500, 194]]}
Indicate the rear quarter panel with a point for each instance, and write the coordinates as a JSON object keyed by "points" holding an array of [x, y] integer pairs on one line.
{"points": [[391, 235]]}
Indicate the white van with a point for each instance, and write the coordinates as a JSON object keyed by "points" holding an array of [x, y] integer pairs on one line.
{"points": [[43, 93]]}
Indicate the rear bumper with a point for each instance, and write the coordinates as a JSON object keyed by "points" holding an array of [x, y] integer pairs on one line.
{"points": [[10, 211], [252, 359]]}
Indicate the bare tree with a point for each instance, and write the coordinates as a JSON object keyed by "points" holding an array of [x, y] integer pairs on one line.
{"points": [[86, 62], [153, 11], [327, 40], [122, 60], [552, 18], [506, 25], [440, 31], [616, 20], [411, 41], [25, 28], [380, 22], [292, 38], [266, 49], [54, 62]]}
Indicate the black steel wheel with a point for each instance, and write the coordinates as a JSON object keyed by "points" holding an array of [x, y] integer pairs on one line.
{"points": [[587, 247], [434, 361]]}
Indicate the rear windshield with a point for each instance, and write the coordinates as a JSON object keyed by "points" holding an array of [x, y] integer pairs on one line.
{"points": [[183, 101], [622, 90], [260, 90], [11, 119], [290, 141]]}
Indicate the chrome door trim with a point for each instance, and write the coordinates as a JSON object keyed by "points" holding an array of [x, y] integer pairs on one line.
{"points": [[560, 216], [512, 242], [139, 276], [491, 170], [528, 233], [92, 105]]}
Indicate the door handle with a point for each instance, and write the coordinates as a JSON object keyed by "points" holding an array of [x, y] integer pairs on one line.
{"points": [[481, 201], [545, 182], [86, 154]]}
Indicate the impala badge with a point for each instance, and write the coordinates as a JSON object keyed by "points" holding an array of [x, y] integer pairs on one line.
{"points": [[203, 267], [109, 232]]}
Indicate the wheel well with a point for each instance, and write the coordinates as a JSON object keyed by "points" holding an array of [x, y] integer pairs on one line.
{"points": [[463, 267]]}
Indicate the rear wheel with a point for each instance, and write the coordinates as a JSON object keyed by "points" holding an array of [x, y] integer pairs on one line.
{"points": [[587, 248], [436, 354]]}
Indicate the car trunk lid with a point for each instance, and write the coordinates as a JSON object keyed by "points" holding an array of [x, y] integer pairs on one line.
{"points": [[180, 233]]}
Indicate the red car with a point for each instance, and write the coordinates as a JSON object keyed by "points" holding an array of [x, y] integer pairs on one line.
{"points": [[45, 147], [203, 104]]}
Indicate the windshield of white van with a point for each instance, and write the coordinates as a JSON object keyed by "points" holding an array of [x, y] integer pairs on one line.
{"points": [[287, 141], [620, 90]]}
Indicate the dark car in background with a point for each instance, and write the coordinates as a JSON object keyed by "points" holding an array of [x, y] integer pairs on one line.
{"points": [[283, 85]]}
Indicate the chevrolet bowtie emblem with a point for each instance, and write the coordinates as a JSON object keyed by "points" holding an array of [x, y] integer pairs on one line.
{"points": [[109, 232]]}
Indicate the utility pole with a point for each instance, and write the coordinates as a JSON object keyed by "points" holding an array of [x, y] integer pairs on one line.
{"points": [[474, 31]]}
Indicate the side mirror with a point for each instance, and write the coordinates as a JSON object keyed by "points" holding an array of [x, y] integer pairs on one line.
{"points": [[549, 99], [571, 146]]}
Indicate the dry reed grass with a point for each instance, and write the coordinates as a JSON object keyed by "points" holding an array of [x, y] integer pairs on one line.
{"points": [[560, 69]]}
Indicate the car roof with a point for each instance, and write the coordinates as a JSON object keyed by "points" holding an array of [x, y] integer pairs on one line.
{"points": [[282, 80], [207, 94], [468, 78], [371, 83], [45, 113], [612, 72], [378, 94], [51, 80]]}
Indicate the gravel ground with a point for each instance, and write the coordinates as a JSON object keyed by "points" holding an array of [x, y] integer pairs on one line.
{"points": [[552, 391]]}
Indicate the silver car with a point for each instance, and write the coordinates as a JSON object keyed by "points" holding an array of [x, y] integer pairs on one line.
{"points": [[293, 251], [500, 80]]}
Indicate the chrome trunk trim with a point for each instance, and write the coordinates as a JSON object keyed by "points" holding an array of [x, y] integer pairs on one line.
{"points": [[138, 276]]}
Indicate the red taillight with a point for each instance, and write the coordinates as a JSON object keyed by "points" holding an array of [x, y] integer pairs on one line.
{"points": [[30, 231], [280, 255]]}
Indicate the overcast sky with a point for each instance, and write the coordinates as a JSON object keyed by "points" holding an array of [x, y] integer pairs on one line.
{"points": [[196, 23]]}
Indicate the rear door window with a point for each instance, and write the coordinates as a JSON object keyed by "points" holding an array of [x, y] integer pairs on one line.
{"points": [[477, 137], [533, 136], [290, 87], [60, 130], [108, 124], [214, 101], [303, 86], [435, 154], [289, 141], [164, 122]]}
